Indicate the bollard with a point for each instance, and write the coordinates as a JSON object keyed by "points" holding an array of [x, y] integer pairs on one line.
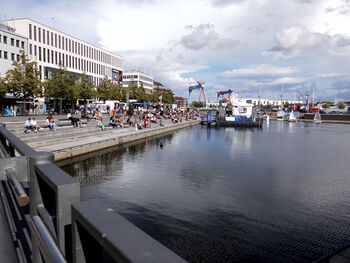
{"points": [[21, 195]]}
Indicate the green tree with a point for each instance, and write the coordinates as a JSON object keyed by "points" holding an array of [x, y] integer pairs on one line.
{"points": [[3, 88], [341, 105], [62, 86], [140, 93], [286, 104], [326, 105], [197, 104], [104, 89], [23, 80], [86, 89], [132, 89]]}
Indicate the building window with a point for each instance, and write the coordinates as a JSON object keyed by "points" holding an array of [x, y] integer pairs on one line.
{"points": [[51, 39], [56, 57], [30, 31], [18, 57], [30, 49], [63, 43], [66, 44], [35, 50], [22, 44], [44, 54], [12, 56], [48, 37], [17, 43], [55, 40], [34, 33], [72, 46], [5, 54], [69, 45], [12, 41], [52, 60], [75, 47], [39, 53], [39, 34], [48, 56], [5, 39], [0, 54], [44, 36], [59, 41]]}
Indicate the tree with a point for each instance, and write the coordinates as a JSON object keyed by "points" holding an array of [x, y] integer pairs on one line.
{"points": [[23, 81], [326, 105], [107, 90], [286, 104], [3, 88], [132, 89], [341, 105], [86, 89], [62, 86], [197, 104], [140, 93]]}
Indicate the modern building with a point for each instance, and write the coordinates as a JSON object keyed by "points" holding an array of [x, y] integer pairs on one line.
{"points": [[138, 77], [50, 48], [11, 45]]}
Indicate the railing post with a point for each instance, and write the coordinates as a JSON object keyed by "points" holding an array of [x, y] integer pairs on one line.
{"points": [[34, 192]]}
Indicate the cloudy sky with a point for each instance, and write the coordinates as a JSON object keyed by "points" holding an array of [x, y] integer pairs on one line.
{"points": [[244, 45]]}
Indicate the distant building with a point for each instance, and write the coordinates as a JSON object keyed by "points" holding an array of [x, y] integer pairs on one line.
{"points": [[181, 102], [11, 45], [138, 77]]}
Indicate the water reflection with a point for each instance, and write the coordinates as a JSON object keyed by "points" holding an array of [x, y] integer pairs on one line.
{"points": [[278, 194]]}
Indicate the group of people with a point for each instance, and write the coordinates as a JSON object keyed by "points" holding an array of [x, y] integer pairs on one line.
{"points": [[31, 125]]}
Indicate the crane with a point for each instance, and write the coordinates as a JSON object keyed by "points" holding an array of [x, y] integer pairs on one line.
{"points": [[222, 93], [200, 87]]}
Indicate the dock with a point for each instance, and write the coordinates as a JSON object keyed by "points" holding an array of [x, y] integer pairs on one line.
{"points": [[68, 142]]}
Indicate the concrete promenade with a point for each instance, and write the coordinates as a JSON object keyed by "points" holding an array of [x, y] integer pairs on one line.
{"points": [[67, 142]]}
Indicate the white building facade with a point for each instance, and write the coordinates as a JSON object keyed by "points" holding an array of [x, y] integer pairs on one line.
{"points": [[11, 45], [138, 77], [51, 48]]}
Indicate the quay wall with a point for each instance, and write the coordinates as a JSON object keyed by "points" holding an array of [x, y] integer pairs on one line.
{"points": [[119, 140]]}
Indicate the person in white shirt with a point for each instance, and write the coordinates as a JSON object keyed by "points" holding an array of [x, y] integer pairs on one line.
{"points": [[28, 125]]}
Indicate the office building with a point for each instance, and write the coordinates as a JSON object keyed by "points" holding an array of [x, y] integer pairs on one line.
{"points": [[11, 45], [138, 77], [50, 48]]}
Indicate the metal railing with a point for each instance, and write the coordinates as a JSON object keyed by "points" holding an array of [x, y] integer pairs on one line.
{"points": [[48, 221]]}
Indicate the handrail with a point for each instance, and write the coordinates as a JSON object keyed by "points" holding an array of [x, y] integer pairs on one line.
{"points": [[45, 242], [19, 145]]}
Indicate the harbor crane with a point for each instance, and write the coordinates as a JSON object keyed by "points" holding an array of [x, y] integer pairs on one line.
{"points": [[200, 87], [221, 94]]}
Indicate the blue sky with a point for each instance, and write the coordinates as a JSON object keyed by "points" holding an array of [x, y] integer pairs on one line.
{"points": [[231, 44]]}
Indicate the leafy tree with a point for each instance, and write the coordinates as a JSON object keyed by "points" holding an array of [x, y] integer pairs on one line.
{"points": [[132, 89], [326, 105], [23, 80], [286, 104], [107, 90], [3, 88], [198, 104], [86, 89], [62, 86], [341, 105], [141, 93]]}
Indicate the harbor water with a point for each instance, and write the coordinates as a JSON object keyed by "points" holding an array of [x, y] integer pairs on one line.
{"points": [[276, 194]]}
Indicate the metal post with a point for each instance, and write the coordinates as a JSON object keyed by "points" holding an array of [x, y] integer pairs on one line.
{"points": [[34, 193], [21, 195]]}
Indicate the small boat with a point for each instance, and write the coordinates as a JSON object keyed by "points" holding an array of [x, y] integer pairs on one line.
{"points": [[292, 117], [280, 115], [211, 118], [317, 118]]}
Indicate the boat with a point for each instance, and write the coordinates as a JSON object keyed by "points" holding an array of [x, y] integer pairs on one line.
{"points": [[292, 117], [241, 114], [280, 115], [317, 118], [211, 119]]}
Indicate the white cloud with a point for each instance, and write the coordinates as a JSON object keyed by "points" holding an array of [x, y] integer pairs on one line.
{"points": [[258, 71], [290, 42]]}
